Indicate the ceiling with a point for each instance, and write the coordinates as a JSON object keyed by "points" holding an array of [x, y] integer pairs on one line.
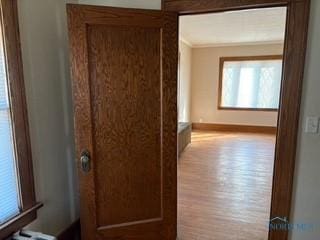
{"points": [[254, 26]]}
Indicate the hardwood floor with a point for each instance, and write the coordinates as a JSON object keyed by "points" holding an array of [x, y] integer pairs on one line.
{"points": [[224, 186]]}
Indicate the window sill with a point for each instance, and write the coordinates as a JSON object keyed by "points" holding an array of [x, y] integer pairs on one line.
{"points": [[248, 109], [18, 222]]}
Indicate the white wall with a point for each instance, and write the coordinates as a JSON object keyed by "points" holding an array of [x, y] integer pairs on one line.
{"points": [[205, 82], [147, 4], [306, 196], [185, 82], [46, 72]]}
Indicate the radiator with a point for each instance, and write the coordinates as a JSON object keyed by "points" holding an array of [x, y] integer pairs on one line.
{"points": [[28, 235]]}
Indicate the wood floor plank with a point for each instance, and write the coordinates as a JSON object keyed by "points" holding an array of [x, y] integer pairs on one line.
{"points": [[224, 186]]}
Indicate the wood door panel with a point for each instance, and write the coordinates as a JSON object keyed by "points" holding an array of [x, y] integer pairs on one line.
{"points": [[124, 76], [125, 85]]}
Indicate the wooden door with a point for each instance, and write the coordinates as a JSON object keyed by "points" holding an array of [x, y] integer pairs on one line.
{"points": [[124, 74]]}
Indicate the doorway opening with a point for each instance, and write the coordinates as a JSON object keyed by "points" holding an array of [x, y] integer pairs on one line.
{"points": [[230, 72]]}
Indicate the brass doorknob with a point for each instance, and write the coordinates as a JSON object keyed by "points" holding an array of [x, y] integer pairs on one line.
{"points": [[85, 161]]}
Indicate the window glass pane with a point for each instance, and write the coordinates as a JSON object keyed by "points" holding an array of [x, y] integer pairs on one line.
{"points": [[9, 194], [251, 84]]}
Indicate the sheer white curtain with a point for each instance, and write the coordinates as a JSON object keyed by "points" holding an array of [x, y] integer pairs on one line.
{"points": [[251, 84], [9, 194]]}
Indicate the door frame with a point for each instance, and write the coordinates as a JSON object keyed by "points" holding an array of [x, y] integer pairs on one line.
{"points": [[291, 88]]}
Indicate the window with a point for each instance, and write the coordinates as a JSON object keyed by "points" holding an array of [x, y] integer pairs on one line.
{"points": [[9, 198], [250, 83], [17, 198]]}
